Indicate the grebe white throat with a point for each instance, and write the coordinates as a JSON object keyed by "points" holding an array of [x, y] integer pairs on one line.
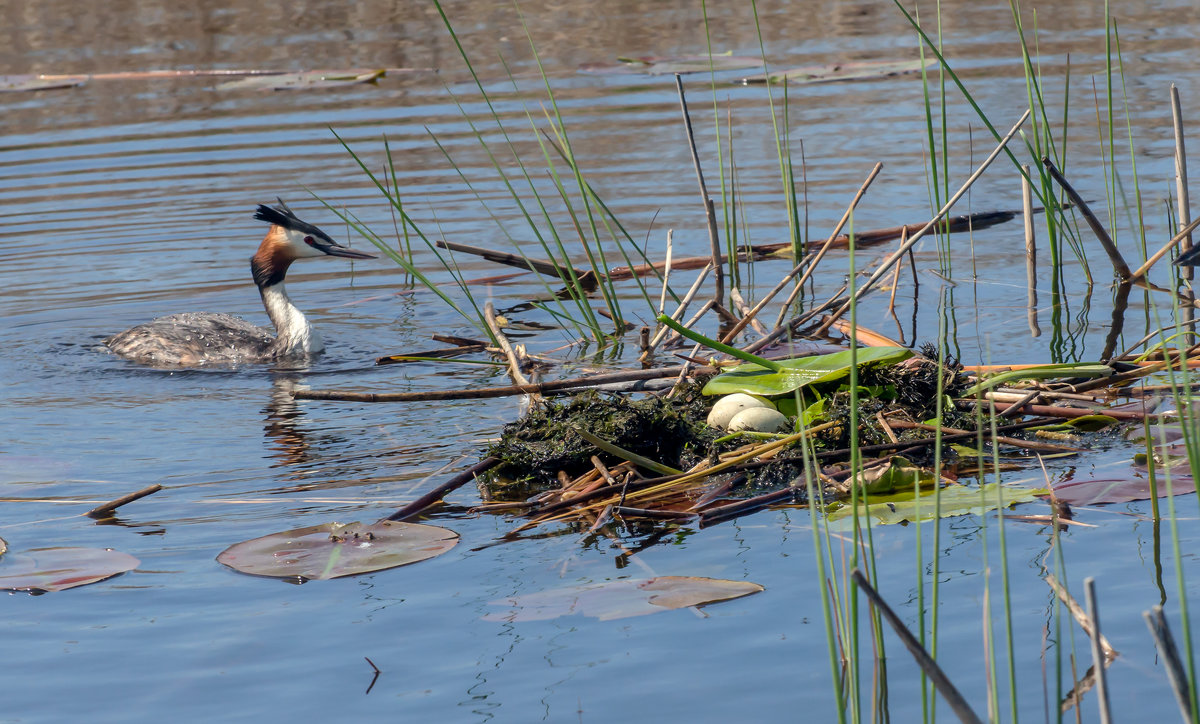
{"points": [[192, 339]]}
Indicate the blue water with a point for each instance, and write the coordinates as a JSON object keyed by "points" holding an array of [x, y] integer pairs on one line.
{"points": [[125, 200]]}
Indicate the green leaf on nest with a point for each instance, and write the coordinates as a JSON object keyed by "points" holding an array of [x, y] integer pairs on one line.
{"points": [[797, 373]]}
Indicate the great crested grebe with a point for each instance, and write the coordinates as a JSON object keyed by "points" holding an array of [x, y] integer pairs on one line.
{"points": [[192, 339]]}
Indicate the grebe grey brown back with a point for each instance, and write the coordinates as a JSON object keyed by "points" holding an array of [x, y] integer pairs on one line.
{"points": [[193, 339]]}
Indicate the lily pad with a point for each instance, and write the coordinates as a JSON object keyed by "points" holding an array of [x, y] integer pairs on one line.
{"points": [[622, 598], [796, 373], [333, 550], [1099, 491], [56, 569], [19, 83], [667, 65], [955, 500], [863, 70], [306, 80]]}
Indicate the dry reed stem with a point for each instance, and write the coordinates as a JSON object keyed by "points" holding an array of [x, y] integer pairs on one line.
{"points": [[1030, 251], [1176, 671], [896, 284], [663, 330], [662, 297], [1182, 201], [709, 210], [1101, 655], [912, 240], [743, 309]]}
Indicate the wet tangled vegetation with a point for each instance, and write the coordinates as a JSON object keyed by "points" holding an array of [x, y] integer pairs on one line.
{"points": [[544, 448]]}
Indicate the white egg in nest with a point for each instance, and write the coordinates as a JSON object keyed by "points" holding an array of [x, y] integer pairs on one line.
{"points": [[729, 405], [759, 419]]}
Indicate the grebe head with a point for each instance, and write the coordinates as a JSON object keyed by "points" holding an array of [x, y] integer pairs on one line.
{"points": [[288, 240]]}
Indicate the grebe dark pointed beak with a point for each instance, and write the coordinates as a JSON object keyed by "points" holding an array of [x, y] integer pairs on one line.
{"points": [[332, 248]]}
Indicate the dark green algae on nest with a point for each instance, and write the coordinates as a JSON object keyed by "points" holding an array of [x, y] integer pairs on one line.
{"points": [[672, 430]]}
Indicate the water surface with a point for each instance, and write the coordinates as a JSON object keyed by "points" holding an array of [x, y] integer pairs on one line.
{"points": [[125, 200]]}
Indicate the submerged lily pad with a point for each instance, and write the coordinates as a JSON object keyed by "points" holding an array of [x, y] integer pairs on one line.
{"points": [[954, 500], [1120, 490], [621, 599], [57, 569], [842, 71], [306, 80], [333, 550], [666, 65], [796, 373], [18, 83]]}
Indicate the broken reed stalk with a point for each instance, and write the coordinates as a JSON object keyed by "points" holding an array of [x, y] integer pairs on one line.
{"points": [[1078, 614], [1110, 248], [679, 311], [1176, 673], [800, 266], [739, 302], [935, 673], [896, 285], [420, 504], [1030, 250], [105, 511], [1099, 660], [912, 240], [1184, 234], [573, 383], [709, 210], [1183, 203], [662, 297]]}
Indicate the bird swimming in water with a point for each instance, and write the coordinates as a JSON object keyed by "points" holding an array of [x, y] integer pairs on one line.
{"points": [[195, 339]]}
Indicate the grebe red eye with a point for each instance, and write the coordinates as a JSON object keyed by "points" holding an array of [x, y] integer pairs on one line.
{"points": [[309, 240]]}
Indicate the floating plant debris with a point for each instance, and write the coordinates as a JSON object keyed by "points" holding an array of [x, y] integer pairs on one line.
{"points": [[40, 570], [624, 598]]}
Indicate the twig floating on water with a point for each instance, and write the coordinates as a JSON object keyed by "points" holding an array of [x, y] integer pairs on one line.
{"points": [[105, 511]]}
